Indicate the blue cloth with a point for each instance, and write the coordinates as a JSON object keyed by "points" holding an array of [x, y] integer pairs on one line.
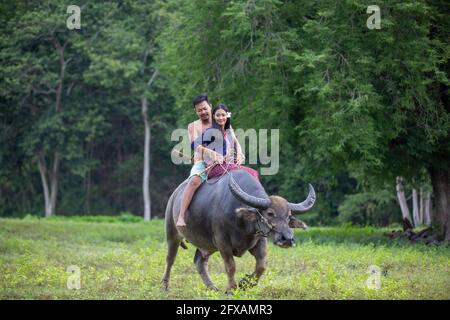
{"points": [[208, 139], [198, 169]]}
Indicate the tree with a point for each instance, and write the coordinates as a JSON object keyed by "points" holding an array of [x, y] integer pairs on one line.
{"points": [[122, 59], [346, 98], [402, 200], [98, 132], [39, 76]]}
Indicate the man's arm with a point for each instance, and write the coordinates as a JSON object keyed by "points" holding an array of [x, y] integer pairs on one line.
{"points": [[191, 132], [201, 146]]}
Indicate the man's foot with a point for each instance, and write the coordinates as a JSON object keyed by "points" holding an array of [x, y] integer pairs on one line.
{"points": [[181, 223]]}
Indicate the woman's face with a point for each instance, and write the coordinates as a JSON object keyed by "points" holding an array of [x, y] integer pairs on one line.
{"points": [[221, 117]]}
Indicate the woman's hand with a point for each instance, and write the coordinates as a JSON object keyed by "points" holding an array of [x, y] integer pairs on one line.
{"points": [[240, 159], [229, 158], [218, 158]]}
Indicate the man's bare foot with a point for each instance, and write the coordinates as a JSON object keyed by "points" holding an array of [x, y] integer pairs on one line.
{"points": [[181, 223]]}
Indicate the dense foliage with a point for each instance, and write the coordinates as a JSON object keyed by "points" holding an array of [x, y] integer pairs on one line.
{"points": [[355, 107]]}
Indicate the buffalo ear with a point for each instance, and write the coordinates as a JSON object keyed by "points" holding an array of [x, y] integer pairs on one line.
{"points": [[247, 213], [295, 223]]}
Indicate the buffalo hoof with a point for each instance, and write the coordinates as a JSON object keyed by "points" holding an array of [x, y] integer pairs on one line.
{"points": [[247, 282], [229, 293], [213, 287], [164, 287]]}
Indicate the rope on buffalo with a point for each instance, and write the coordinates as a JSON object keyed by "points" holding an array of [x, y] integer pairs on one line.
{"points": [[225, 170]]}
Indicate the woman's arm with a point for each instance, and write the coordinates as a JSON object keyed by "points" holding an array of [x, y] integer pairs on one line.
{"points": [[240, 157]]}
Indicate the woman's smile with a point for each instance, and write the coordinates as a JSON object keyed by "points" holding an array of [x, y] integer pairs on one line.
{"points": [[220, 117]]}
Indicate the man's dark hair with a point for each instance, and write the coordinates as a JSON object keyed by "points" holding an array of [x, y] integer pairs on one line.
{"points": [[200, 98]]}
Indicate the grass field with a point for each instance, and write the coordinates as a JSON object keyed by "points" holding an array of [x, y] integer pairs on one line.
{"points": [[122, 259]]}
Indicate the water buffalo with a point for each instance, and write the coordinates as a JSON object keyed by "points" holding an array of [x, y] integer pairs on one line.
{"points": [[231, 215]]}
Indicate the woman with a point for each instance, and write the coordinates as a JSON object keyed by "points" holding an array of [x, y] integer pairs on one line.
{"points": [[222, 144]]}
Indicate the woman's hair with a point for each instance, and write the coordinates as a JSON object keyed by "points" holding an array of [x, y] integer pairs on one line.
{"points": [[214, 123]]}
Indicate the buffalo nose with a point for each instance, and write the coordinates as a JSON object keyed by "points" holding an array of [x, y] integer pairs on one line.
{"points": [[288, 240]]}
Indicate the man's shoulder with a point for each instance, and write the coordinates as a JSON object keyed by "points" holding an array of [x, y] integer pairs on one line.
{"points": [[195, 124]]}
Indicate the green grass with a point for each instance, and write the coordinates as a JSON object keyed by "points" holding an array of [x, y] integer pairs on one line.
{"points": [[119, 259]]}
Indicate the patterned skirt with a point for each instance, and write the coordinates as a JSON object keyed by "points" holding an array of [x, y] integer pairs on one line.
{"points": [[218, 170]]}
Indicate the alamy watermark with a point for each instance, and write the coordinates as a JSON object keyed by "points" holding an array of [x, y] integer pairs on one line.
{"points": [[74, 20], [374, 20], [374, 280], [262, 149], [74, 280]]}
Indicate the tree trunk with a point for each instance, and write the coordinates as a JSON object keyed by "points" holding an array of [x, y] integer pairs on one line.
{"points": [[146, 178], [50, 194], [88, 179], [421, 205], [43, 172], [119, 147], [427, 210], [415, 208], [440, 179], [54, 183], [402, 199], [87, 206]]}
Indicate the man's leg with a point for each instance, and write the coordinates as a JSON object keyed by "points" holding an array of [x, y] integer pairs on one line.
{"points": [[192, 185]]}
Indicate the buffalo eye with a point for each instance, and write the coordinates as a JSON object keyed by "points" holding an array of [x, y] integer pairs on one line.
{"points": [[271, 214]]}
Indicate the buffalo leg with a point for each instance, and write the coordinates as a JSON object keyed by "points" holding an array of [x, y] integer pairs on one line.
{"points": [[201, 262], [259, 251], [173, 245], [230, 268]]}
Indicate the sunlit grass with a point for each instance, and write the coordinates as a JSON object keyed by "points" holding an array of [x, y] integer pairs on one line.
{"points": [[122, 259]]}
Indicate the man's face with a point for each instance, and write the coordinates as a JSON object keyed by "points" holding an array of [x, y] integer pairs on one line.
{"points": [[203, 110]]}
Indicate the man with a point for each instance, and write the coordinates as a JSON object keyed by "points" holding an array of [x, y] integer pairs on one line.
{"points": [[198, 173]]}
